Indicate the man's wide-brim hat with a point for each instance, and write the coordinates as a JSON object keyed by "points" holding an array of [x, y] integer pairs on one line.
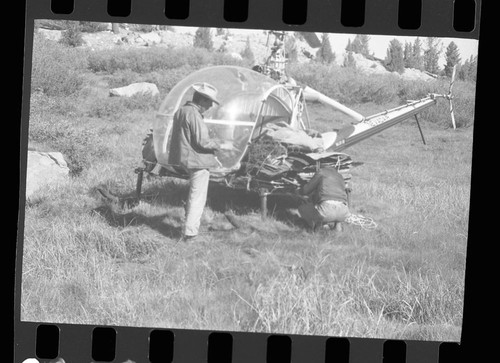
{"points": [[207, 90]]}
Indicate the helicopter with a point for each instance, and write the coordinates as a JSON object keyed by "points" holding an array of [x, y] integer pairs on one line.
{"points": [[263, 127]]}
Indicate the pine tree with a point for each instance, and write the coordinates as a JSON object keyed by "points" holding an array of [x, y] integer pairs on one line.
{"points": [[325, 53], [408, 55], [348, 47], [394, 60], [365, 49], [203, 39], [247, 53], [462, 70], [291, 48], [349, 60], [452, 58], [468, 70], [418, 59], [431, 55], [360, 45], [472, 74]]}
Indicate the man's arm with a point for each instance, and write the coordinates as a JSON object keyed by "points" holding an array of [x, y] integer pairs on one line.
{"points": [[200, 141], [311, 186]]}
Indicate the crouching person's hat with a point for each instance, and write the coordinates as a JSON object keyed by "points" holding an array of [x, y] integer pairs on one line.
{"points": [[207, 90]]}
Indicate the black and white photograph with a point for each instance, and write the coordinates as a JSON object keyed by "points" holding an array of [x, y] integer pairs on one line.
{"points": [[248, 180]]}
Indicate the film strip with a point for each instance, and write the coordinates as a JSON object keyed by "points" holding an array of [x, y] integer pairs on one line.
{"points": [[107, 340]]}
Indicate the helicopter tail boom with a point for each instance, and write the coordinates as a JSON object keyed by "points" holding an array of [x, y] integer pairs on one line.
{"points": [[374, 124]]}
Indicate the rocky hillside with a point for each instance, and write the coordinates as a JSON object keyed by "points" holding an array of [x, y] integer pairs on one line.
{"points": [[233, 40]]}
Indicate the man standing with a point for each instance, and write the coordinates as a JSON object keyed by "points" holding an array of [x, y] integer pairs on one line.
{"points": [[193, 150], [327, 198]]}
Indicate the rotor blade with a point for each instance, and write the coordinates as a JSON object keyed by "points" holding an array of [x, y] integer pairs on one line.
{"points": [[311, 39], [452, 116], [450, 97], [452, 79]]}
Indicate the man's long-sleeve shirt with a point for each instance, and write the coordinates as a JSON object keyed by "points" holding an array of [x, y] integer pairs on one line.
{"points": [[326, 184], [190, 144]]}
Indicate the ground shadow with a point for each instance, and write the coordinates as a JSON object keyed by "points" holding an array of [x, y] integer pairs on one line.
{"points": [[174, 192], [119, 219]]}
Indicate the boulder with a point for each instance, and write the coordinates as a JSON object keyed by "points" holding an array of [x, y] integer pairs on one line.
{"points": [[236, 55], [51, 34], [134, 89], [44, 168], [415, 74], [151, 38]]}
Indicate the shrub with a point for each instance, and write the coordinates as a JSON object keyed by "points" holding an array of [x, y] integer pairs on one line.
{"points": [[166, 80], [247, 52], [114, 107], [350, 87], [78, 142], [72, 36], [122, 77], [56, 69], [345, 84], [80, 146], [154, 59], [92, 27], [144, 28]]}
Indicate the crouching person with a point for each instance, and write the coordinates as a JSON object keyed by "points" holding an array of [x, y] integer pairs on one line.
{"points": [[327, 202]]}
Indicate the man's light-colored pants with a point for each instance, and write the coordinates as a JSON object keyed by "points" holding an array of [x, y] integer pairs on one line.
{"points": [[197, 198], [325, 212]]}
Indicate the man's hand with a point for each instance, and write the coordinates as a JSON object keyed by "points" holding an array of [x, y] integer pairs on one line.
{"points": [[214, 146], [227, 146]]}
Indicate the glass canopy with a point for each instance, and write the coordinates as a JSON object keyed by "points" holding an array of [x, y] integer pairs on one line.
{"points": [[248, 100]]}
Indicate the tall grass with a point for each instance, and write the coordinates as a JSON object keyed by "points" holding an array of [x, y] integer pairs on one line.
{"points": [[56, 68], [87, 261]]}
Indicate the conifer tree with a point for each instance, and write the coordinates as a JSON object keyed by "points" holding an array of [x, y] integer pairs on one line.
{"points": [[360, 44], [418, 59], [431, 55], [468, 70], [203, 39], [394, 60], [452, 58], [409, 62], [291, 48], [348, 47], [472, 74], [247, 53], [325, 53], [349, 60]]}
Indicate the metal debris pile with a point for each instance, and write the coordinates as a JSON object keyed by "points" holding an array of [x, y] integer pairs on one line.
{"points": [[281, 168]]}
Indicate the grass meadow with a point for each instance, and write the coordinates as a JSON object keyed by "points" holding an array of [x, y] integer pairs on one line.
{"points": [[89, 261]]}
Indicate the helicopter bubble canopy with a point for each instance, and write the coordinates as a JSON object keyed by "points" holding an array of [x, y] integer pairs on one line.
{"points": [[248, 100]]}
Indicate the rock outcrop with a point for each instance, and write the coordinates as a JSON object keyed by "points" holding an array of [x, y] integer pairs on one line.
{"points": [[43, 169], [134, 89]]}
